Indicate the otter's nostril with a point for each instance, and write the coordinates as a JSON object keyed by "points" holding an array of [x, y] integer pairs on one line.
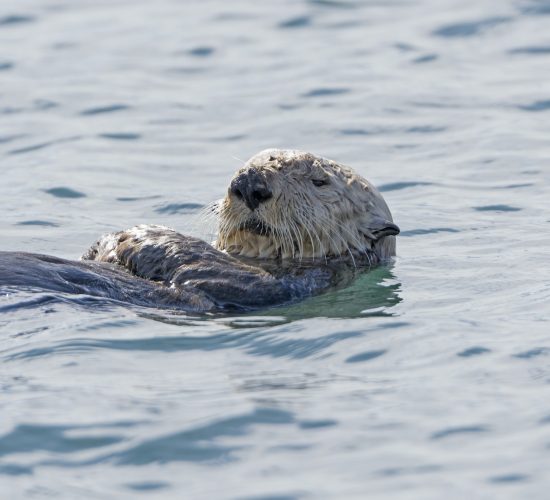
{"points": [[261, 195], [237, 193], [237, 187]]}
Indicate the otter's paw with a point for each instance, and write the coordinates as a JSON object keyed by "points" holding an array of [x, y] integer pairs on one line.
{"points": [[104, 249]]}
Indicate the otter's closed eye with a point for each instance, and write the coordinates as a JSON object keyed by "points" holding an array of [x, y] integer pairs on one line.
{"points": [[320, 182]]}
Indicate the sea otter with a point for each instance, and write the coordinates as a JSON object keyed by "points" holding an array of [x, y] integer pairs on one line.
{"points": [[292, 224]]}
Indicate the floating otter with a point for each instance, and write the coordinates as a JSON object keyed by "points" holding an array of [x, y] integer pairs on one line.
{"points": [[292, 224]]}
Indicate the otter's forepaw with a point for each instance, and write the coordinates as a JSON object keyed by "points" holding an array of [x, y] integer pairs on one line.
{"points": [[104, 249]]}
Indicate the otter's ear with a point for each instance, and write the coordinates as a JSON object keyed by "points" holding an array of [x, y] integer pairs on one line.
{"points": [[382, 227]]}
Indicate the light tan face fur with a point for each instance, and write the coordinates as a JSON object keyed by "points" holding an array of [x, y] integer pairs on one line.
{"points": [[318, 209]]}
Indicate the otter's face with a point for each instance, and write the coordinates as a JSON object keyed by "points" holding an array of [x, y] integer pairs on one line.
{"points": [[295, 205]]}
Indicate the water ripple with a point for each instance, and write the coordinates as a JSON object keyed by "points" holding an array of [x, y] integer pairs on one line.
{"points": [[316, 424], [469, 28], [425, 59], [413, 471], [104, 109], [121, 136], [536, 106], [37, 222], [148, 485], [473, 351], [202, 51], [423, 231], [533, 353], [27, 438], [295, 22], [338, 4], [138, 198], [257, 344], [497, 208], [42, 145], [394, 186], [179, 208], [453, 431], [326, 91], [8, 138], [534, 50], [509, 478], [536, 8], [15, 470], [16, 19], [198, 444], [365, 356], [64, 192], [425, 129]]}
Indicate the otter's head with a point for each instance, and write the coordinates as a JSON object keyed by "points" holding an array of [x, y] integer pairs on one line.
{"points": [[295, 205]]}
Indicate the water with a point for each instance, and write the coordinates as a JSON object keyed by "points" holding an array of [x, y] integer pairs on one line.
{"points": [[425, 379]]}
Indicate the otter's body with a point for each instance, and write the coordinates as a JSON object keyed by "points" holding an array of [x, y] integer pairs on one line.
{"points": [[154, 266], [291, 225]]}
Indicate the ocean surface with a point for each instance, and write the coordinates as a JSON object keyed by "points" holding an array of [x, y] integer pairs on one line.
{"points": [[426, 379]]}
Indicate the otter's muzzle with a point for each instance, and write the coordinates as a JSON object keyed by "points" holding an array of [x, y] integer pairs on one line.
{"points": [[251, 187]]}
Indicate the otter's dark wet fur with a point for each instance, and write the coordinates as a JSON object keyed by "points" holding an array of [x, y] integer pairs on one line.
{"points": [[155, 266], [161, 268]]}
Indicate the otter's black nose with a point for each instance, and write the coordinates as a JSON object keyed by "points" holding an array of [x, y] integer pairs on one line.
{"points": [[251, 187]]}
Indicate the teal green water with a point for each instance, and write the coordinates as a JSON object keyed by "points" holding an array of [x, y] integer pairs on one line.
{"points": [[425, 379]]}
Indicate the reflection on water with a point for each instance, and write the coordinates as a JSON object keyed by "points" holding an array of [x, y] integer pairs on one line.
{"points": [[425, 379], [373, 293]]}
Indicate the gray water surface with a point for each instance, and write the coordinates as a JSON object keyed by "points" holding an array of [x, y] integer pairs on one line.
{"points": [[426, 379]]}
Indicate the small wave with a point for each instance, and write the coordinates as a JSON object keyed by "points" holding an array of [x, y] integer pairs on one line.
{"points": [[64, 192], [423, 231], [326, 91], [536, 8], [470, 28], [138, 198], [104, 109], [202, 51], [16, 19], [365, 356], [229, 138], [473, 351], [36, 222], [316, 424], [535, 50], [28, 438], [179, 208], [395, 186], [121, 136], [453, 431], [536, 106], [497, 208], [533, 353], [8, 138], [42, 145], [295, 22], [509, 478], [425, 129], [148, 485], [425, 59], [336, 4]]}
